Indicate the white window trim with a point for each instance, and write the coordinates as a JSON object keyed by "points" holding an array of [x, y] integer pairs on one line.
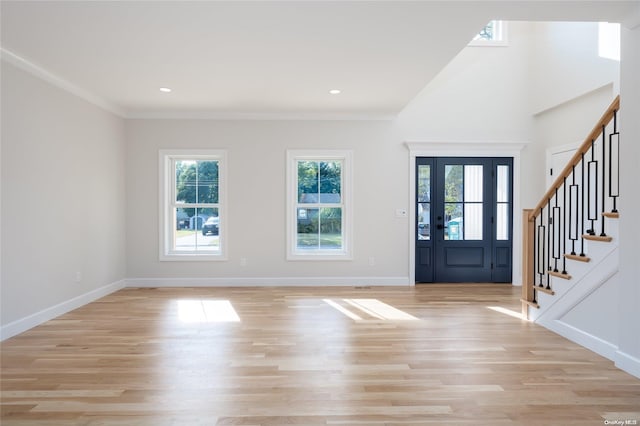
{"points": [[503, 41], [167, 188], [346, 156]]}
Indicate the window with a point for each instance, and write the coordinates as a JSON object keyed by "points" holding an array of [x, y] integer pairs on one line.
{"points": [[609, 40], [192, 205], [318, 205], [492, 34]]}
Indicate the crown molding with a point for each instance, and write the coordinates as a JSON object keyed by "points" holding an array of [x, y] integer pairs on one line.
{"points": [[255, 116], [61, 83]]}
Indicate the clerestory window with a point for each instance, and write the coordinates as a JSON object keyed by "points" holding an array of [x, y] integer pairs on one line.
{"points": [[492, 34]]}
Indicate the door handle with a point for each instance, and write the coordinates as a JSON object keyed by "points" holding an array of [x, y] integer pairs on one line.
{"points": [[441, 227]]}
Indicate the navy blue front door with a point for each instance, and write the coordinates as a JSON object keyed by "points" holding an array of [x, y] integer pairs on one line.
{"points": [[464, 214]]}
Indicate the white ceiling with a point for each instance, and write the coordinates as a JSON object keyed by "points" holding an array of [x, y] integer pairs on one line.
{"points": [[257, 58]]}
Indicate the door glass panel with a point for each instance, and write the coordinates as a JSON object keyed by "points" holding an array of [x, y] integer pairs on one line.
{"points": [[453, 197], [453, 183], [424, 221], [502, 193], [502, 203], [473, 221], [473, 183], [424, 183], [424, 202], [454, 222], [502, 222], [463, 202]]}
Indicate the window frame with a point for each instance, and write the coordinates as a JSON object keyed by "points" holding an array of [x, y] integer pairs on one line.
{"points": [[502, 32], [167, 188], [292, 204]]}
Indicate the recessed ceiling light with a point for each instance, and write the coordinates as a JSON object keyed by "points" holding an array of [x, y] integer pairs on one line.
{"points": [[334, 91], [165, 90]]}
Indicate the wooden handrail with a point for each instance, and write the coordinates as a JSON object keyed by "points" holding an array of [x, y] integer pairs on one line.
{"points": [[577, 157]]}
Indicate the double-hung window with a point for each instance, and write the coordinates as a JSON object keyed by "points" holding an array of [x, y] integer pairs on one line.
{"points": [[318, 205], [192, 225]]}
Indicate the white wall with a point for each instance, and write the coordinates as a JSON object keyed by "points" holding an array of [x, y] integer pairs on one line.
{"points": [[481, 95], [565, 64], [629, 290], [62, 199], [571, 121], [256, 200]]}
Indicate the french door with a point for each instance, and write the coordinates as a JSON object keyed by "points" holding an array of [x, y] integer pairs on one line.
{"points": [[464, 219]]}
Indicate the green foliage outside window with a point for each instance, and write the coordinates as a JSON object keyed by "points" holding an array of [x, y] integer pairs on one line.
{"points": [[196, 183]]}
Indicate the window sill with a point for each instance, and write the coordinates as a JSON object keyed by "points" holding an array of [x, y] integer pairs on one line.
{"points": [[190, 257], [319, 256]]}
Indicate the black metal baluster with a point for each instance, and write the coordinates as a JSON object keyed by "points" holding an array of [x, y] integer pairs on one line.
{"points": [[535, 251], [556, 233], [541, 248], [582, 207], [604, 185], [614, 161], [592, 190], [564, 225], [549, 238], [573, 210]]}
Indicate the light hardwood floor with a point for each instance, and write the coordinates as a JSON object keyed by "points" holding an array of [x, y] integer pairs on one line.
{"points": [[434, 354]]}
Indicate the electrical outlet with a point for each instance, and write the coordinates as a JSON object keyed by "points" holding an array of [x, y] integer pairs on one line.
{"points": [[243, 261], [372, 261], [78, 277]]}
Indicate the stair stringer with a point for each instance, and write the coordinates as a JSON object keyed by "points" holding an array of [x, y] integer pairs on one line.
{"points": [[552, 311]]}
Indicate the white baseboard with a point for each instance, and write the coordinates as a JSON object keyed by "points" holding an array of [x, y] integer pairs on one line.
{"points": [[24, 324], [628, 363], [582, 338], [269, 282]]}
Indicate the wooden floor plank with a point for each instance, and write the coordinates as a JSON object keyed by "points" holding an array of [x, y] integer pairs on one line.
{"points": [[433, 354]]}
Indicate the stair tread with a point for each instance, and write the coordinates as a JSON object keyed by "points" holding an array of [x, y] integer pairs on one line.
{"points": [[597, 238], [611, 215], [559, 275], [545, 290], [578, 257]]}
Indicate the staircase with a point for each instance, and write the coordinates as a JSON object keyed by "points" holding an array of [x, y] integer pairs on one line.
{"points": [[570, 240]]}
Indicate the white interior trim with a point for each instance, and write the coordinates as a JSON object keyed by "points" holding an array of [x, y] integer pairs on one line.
{"points": [[346, 192], [468, 149], [628, 363], [550, 152], [256, 116], [166, 185], [267, 282], [59, 82], [16, 327]]}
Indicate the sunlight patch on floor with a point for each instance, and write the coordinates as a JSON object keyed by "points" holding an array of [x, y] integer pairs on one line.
{"points": [[206, 311], [506, 311], [370, 309]]}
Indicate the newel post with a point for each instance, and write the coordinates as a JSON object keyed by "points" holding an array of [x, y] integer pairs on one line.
{"points": [[528, 235]]}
